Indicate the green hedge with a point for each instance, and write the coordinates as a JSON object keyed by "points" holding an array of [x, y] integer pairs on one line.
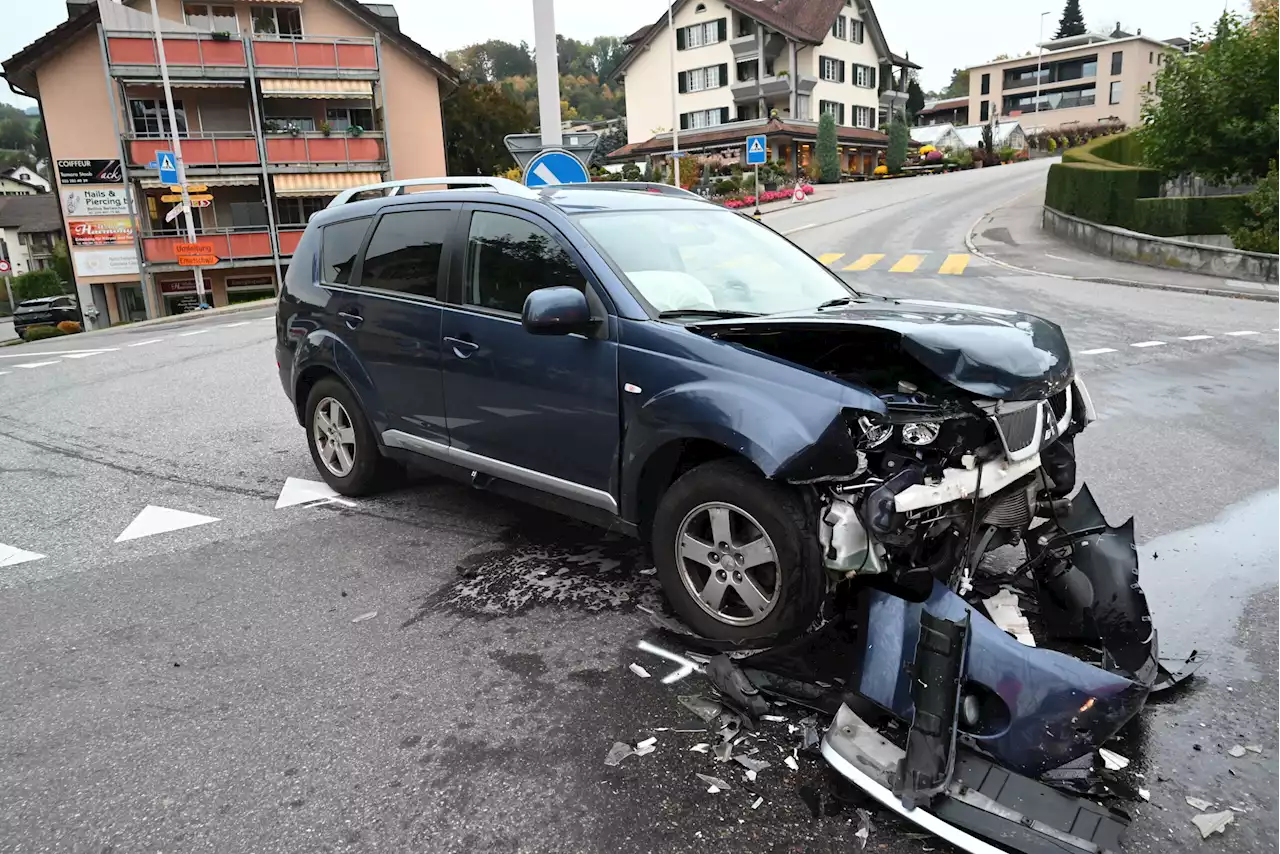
{"points": [[1096, 182]]}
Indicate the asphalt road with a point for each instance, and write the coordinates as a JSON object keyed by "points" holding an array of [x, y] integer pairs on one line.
{"points": [[207, 689]]}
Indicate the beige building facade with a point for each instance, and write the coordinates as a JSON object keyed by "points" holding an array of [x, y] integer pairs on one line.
{"points": [[279, 106], [1081, 80]]}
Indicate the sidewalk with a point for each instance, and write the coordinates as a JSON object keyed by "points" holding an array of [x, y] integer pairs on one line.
{"points": [[6, 325], [1011, 237]]}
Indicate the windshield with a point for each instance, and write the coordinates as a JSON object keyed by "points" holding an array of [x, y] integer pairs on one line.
{"points": [[710, 261]]}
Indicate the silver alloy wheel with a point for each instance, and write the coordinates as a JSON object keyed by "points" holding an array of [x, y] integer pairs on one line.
{"points": [[335, 437], [728, 564]]}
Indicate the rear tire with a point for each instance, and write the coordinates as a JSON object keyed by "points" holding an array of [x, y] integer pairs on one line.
{"points": [[767, 584], [343, 447]]}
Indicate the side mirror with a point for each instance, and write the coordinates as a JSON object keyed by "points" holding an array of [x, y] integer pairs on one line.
{"points": [[556, 311]]}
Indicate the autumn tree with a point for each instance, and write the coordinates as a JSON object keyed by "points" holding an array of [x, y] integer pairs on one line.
{"points": [[476, 118]]}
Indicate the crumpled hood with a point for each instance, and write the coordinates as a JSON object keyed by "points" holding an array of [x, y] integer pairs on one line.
{"points": [[990, 352]]}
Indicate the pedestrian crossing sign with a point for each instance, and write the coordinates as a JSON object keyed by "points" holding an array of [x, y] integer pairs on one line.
{"points": [[757, 150]]}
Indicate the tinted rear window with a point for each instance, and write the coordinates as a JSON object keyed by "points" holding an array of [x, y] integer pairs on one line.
{"points": [[340, 245], [404, 252]]}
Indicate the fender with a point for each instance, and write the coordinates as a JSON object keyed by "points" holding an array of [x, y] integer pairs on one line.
{"points": [[325, 349]]}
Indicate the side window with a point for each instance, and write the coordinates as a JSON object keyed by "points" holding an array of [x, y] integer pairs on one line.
{"points": [[507, 258], [339, 247], [404, 252]]}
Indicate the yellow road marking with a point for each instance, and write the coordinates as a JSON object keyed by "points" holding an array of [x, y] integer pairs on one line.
{"points": [[907, 264], [830, 257], [866, 262], [954, 265]]}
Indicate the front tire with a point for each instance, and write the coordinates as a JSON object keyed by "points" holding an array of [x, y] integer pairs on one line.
{"points": [[736, 554], [343, 447]]}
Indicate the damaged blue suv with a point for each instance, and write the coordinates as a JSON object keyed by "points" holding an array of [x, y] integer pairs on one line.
{"points": [[641, 359]]}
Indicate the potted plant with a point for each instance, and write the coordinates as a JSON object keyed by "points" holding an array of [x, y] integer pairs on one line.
{"points": [[222, 36], [293, 129], [355, 130], [325, 128], [270, 125]]}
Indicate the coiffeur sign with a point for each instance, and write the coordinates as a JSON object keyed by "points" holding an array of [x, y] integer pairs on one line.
{"points": [[101, 232]]}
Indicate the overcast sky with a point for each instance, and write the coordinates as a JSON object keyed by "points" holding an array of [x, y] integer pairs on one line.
{"points": [[939, 35]]}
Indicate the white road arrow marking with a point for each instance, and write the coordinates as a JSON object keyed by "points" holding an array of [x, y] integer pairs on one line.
{"points": [[160, 520], [12, 555], [686, 666], [298, 490]]}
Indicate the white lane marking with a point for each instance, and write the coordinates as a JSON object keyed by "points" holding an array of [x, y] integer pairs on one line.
{"points": [[800, 228], [1194, 337], [1056, 257], [38, 364], [2, 373], [234, 325], [192, 332], [160, 520], [145, 343], [1097, 351], [57, 353], [80, 355], [12, 555], [1243, 332], [1148, 344]]}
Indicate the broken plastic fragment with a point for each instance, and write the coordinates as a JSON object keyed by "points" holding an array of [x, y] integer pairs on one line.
{"points": [[723, 751], [653, 570], [1113, 761], [1145, 794], [791, 763], [749, 776], [638, 670], [1237, 751], [648, 742], [369, 616], [700, 747], [1211, 823], [778, 719], [751, 764], [1199, 803], [1008, 617], [701, 706], [1253, 748], [757, 803], [617, 753], [713, 782]]}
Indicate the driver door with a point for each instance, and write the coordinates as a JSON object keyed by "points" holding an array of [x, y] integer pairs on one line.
{"points": [[544, 406]]}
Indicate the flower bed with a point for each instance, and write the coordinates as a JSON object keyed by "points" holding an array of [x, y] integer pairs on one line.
{"points": [[765, 197]]}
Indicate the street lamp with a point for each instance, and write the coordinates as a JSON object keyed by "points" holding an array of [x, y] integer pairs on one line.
{"points": [[1039, 65]]}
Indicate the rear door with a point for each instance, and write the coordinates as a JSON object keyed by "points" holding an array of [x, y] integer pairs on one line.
{"points": [[387, 303], [545, 406]]}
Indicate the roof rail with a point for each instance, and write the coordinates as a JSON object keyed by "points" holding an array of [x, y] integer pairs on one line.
{"points": [[396, 188]]}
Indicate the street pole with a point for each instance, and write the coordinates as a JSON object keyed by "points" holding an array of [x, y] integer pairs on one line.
{"points": [[548, 70], [675, 98], [1039, 66], [177, 147], [757, 211]]}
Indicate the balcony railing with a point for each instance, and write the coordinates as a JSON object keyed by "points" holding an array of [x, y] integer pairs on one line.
{"points": [[313, 147], [206, 55], [234, 148], [229, 244], [290, 237]]}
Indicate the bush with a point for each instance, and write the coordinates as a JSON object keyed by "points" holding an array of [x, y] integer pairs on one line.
{"points": [[1176, 217], [896, 153], [934, 156], [881, 170], [631, 172], [1006, 154], [726, 187], [1256, 230], [1053, 144], [69, 327], [828, 171], [39, 333], [34, 284]]}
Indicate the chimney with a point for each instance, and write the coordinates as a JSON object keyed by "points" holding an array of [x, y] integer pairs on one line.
{"points": [[387, 12]]}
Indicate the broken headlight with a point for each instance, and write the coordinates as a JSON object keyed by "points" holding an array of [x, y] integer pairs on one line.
{"points": [[875, 434], [920, 432]]}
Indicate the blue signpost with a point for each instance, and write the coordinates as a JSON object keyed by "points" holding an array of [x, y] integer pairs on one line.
{"points": [[757, 154], [168, 167], [555, 166]]}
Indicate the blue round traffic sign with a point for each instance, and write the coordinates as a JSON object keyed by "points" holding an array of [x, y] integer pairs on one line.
{"points": [[555, 166]]}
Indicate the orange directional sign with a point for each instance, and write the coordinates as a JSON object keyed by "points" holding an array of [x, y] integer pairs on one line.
{"points": [[200, 198], [191, 188], [171, 199], [195, 254]]}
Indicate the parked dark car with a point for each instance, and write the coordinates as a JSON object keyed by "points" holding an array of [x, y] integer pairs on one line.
{"points": [[672, 369], [44, 311]]}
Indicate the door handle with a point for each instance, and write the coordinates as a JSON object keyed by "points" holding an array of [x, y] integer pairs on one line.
{"points": [[463, 348], [352, 320]]}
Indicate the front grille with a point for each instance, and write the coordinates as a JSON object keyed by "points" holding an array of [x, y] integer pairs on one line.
{"points": [[1018, 429], [1059, 404]]}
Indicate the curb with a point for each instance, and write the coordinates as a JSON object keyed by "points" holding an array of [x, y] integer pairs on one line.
{"points": [[1108, 280]]}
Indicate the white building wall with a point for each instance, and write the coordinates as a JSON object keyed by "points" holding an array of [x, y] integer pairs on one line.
{"points": [[30, 176], [19, 258], [851, 53], [648, 84]]}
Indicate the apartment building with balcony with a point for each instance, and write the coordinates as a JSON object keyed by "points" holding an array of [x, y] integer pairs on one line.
{"points": [[768, 66], [279, 104], [1082, 80]]}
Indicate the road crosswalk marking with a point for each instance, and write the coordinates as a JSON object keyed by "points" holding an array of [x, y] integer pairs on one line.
{"points": [[956, 264], [866, 262]]}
